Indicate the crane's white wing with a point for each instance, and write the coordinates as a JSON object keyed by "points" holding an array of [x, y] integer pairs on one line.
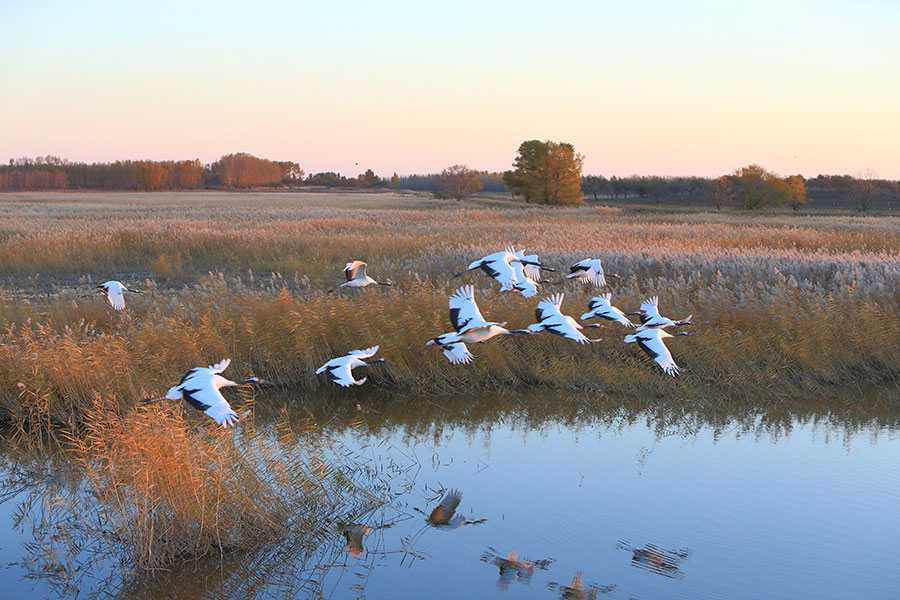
{"points": [[527, 287], [566, 327], [458, 353], [588, 270], [532, 272], [367, 353], [198, 390], [114, 294], [355, 270], [220, 366], [464, 312], [650, 309], [549, 307], [600, 307], [502, 271], [651, 342]]}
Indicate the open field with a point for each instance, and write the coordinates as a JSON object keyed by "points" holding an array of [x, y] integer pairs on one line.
{"points": [[783, 306]]}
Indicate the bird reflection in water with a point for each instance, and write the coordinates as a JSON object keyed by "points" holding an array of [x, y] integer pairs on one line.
{"points": [[354, 535], [444, 515], [657, 560], [577, 590], [512, 568]]}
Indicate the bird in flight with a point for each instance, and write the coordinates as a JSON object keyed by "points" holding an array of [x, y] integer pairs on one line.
{"points": [[470, 327], [355, 272], [340, 370], [200, 387], [114, 291]]}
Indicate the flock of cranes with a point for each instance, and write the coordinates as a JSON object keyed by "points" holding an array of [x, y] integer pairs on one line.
{"points": [[514, 271]]}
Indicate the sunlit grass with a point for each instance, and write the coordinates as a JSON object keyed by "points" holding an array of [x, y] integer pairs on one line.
{"points": [[782, 306]]}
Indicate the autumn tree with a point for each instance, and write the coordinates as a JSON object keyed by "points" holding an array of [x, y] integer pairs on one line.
{"points": [[546, 172], [370, 179], [459, 181], [395, 181], [758, 188], [796, 191], [722, 191]]}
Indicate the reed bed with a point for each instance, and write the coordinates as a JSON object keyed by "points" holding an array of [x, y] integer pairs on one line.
{"points": [[782, 306], [148, 491]]}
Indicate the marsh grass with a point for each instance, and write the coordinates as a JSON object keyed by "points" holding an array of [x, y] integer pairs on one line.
{"points": [[153, 492], [782, 307]]}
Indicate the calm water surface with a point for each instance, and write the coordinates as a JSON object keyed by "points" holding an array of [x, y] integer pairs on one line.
{"points": [[627, 508]]}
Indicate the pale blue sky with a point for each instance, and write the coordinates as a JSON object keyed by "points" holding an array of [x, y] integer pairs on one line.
{"points": [[657, 88]]}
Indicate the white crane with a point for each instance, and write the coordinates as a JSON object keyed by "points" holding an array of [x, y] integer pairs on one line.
{"points": [[590, 270], [355, 272], [528, 274], [340, 369], [650, 317], [651, 341], [200, 388], [600, 307], [550, 318], [499, 266], [470, 328], [114, 291]]}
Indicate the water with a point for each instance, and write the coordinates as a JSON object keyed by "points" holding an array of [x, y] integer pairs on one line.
{"points": [[643, 507]]}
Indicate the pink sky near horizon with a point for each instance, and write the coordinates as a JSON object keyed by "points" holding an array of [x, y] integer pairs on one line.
{"points": [[698, 89]]}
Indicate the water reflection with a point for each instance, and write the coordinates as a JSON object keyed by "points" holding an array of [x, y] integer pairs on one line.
{"points": [[576, 590], [354, 535], [653, 559], [512, 568], [558, 455]]}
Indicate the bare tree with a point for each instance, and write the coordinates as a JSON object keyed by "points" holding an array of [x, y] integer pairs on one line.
{"points": [[861, 188], [459, 181]]}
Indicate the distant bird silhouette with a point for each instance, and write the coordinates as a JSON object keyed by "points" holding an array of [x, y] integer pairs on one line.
{"points": [[340, 370], [600, 307], [200, 388], [550, 318], [651, 342], [650, 317], [354, 535], [470, 328], [355, 272], [114, 293], [499, 267], [590, 270]]}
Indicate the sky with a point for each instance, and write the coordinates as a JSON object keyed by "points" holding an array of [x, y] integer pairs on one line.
{"points": [[650, 88]]}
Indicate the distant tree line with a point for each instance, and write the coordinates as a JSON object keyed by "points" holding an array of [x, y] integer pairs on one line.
{"points": [[752, 187], [432, 182], [231, 171], [544, 172]]}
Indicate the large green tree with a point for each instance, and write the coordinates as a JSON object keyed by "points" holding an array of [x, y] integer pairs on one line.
{"points": [[547, 173], [758, 188]]}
